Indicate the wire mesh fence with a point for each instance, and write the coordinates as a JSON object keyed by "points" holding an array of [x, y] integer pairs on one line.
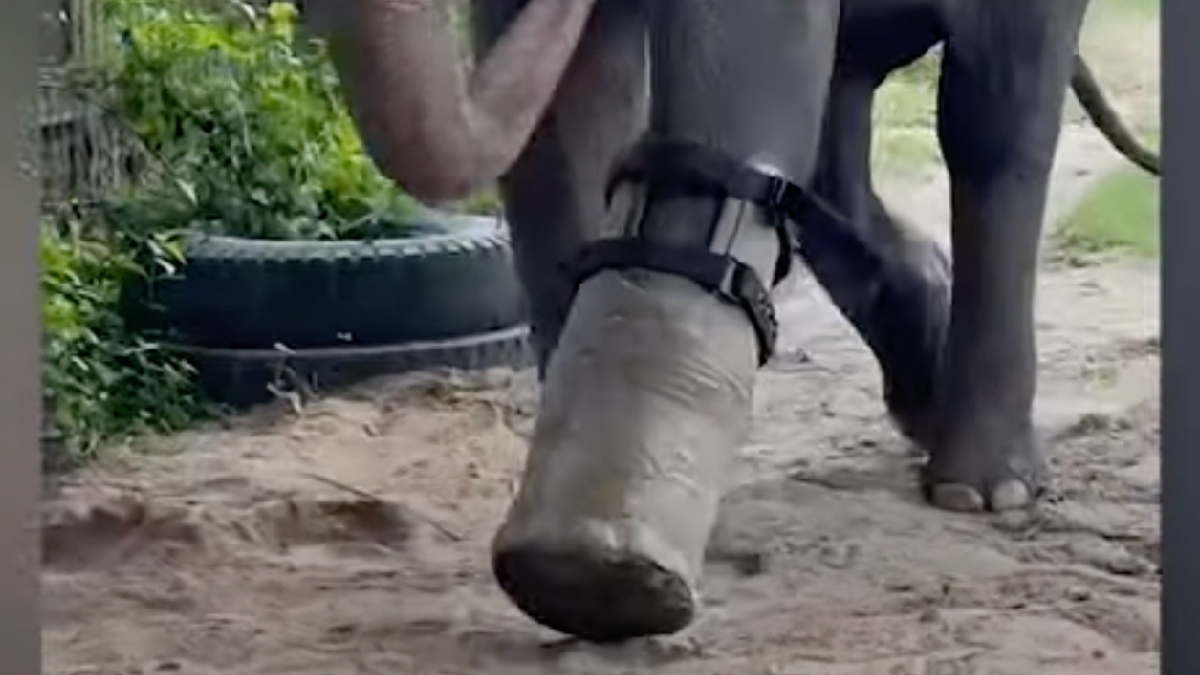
{"points": [[82, 153]]}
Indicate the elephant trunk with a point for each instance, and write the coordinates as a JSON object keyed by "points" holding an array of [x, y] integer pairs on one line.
{"points": [[434, 128]]}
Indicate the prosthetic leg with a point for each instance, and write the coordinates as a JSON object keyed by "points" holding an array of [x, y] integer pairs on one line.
{"points": [[606, 537]]}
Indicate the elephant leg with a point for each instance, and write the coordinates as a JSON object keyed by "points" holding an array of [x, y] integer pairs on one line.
{"points": [[554, 193], [649, 391], [1005, 73], [903, 313]]}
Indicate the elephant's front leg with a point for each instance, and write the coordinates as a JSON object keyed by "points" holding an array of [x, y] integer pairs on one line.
{"points": [[902, 311], [1005, 73], [649, 391]]}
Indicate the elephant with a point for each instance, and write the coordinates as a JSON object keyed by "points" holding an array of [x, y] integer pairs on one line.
{"points": [[690, 152]]}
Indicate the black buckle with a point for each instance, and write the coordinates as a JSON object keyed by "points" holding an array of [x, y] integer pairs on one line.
{"points": [[750, 294], [777, 190]]}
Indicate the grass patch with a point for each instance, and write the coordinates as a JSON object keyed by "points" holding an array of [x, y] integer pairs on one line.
{"points": [[1141, 7], [899, 150], [904, 119], [1118, 214]]}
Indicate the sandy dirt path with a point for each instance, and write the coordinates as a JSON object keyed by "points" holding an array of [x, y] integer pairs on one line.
{"points": [[351, 538]]}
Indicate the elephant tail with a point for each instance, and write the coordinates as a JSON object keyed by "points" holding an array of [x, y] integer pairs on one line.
{"points": [[1108, 120]]}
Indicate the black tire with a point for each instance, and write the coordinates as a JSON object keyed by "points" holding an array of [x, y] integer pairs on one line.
{"points": [[240, 378], [456, 278]]}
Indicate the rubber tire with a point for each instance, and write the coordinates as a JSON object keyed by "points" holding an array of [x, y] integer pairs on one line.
{"points": [[240, 378], [455, 279]]}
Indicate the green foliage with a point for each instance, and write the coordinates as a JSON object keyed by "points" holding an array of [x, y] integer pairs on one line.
{"points": [[239, 129], [243, 121], [106, 381], [484, 203], [240, 122]]}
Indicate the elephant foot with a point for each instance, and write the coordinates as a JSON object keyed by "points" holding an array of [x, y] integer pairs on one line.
{"points": [[973, 467], [594, 593], [986, 472], [907, 326]]}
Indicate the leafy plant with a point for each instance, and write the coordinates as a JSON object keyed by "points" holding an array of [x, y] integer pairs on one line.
{"points": [[106, 381], [241, 117]]}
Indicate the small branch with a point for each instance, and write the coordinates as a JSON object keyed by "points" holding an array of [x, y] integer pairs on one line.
{"points": [[363, 494]]}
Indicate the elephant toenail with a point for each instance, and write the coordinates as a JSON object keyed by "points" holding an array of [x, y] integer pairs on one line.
{"points": [[1011, 495], [957, 497]]}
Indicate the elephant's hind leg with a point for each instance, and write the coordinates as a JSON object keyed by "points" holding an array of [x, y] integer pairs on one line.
{"points": [[1005, 73]]}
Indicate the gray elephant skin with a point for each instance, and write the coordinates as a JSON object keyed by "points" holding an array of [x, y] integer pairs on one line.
{"points": [[648, 377]]}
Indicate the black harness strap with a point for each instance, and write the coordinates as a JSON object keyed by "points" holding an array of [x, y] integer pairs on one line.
{"points": [[690, 168]]}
